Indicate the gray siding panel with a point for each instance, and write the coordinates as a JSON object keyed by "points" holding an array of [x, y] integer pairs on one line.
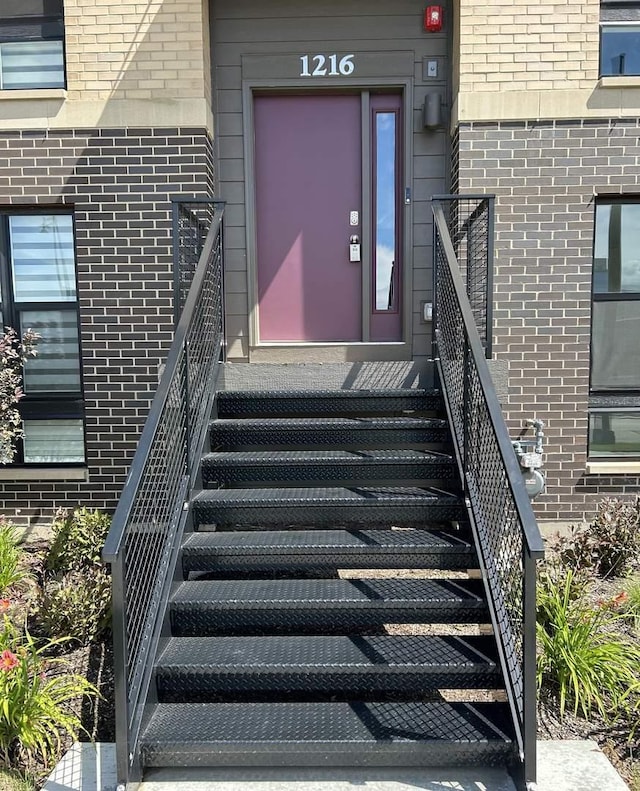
{"points": [[244, 29]]}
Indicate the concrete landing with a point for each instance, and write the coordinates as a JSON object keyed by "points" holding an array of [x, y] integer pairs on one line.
{"points": [[562, 766]]}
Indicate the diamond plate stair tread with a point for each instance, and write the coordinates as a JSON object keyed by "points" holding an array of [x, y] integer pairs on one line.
{"points": [[291, 550], [324, 402], [348, 541], [352, 593], [321, 667], [278, 734], [380, 432], [326, 506], [322, 654], [319, 456], [320, 606], [361, 495], [325, 465]]}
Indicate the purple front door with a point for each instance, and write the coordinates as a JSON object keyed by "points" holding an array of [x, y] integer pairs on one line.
{"points": [[308, 165]]}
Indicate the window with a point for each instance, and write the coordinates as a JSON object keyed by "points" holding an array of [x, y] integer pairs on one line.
{"points": [[38, 292], [615, 329], [31, 44]]}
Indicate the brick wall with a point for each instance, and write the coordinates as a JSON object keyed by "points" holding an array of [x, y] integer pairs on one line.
{"points": [[545, 175], [118, 183], [156, 49], [517, 45]]}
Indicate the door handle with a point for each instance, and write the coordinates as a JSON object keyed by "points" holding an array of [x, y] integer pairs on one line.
{"points": [[354, 249]]}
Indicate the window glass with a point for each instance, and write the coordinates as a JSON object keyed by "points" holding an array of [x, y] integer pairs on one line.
{"points": [[385, 221], [53, 441], [615, 345], [616, 266], [42, 258], [39, 293], [613, 433], [56, 367], [31, 64], [620, 49]]}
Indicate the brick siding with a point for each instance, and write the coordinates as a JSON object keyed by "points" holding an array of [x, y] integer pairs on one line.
{"points": [[518, 45], [151, 50], [118, 183], [545, 175]]}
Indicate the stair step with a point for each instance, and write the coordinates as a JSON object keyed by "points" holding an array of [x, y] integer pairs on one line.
{"points": [[330, 466], [297, 550], [308, 606], [325, 403], [200, 669], [332, 734], [322, 506], [339, 433]]}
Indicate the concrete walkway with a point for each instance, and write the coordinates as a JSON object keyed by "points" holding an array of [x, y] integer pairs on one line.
{"points": [[562, 766]]}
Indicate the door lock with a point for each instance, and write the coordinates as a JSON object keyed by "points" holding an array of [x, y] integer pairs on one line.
{"points": [[354, 249]]}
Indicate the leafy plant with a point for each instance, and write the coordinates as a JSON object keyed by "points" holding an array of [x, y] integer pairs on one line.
{"points": [[36, 693], [77, 604], [78, 538], [580, 657], [15, 781], [10, 567], [610, 544], [14, 352], [631, 604], [76, 595]]}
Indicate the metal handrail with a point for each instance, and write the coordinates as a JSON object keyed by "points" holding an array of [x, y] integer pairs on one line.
{"points": [[147, 527], [471, 219], [505, 530]]}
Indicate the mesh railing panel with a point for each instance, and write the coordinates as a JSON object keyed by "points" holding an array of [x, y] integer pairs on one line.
{"points": [[191, 221], [152, 525], [148, 523], [506, 534], [499, 530], [470, 223]]}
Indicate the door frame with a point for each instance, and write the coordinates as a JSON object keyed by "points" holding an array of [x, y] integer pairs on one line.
{"points": [[310, 351]]}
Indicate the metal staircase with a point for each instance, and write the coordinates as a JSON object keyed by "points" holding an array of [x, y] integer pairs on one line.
{"points": [[286, 661], [300, 575]]}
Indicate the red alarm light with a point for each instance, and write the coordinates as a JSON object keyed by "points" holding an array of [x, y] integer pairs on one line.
{"points": [[433, 19]]}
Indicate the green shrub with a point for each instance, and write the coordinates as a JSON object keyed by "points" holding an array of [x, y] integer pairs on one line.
{"points": [[78, 538], [76, 593], [77, 605], [580, 658], [610, 545], [36, 693], [11, 571], [631, 604]]}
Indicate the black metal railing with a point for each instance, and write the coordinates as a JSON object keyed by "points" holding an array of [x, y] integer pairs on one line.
{"points": [[470, 220], [505, 529], [147, 526], [191, 219]]}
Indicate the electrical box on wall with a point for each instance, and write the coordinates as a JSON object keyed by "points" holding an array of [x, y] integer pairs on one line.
{"points": [[433, 18]]}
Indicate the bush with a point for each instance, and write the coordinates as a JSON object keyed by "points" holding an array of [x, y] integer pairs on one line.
{"points": [[631, 603], [610, 545], [77, 605], [580, 658], [78, 538], [10, 566], [14, 352], [76, 593], [36, 693]]}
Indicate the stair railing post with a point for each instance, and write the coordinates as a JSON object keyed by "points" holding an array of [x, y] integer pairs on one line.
{"points": [[124, 752], [491, 207], [529, 680]]}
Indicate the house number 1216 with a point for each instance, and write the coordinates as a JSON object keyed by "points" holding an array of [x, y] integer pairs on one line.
{"points": [[323, 66]]}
